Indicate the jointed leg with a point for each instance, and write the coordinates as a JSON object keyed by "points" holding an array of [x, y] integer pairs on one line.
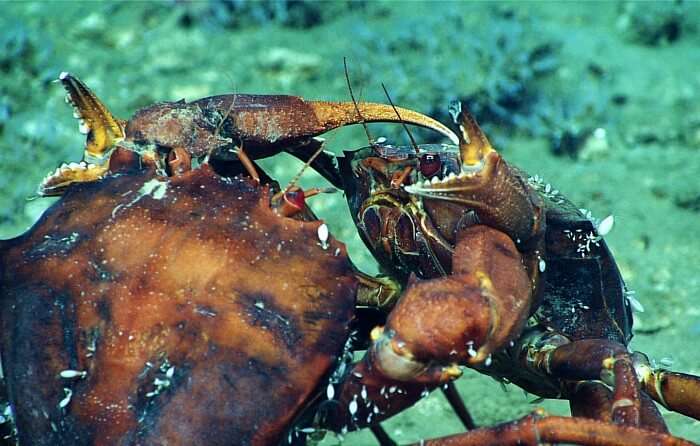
{"points": [[675, 391], [592, 399], [535, 429], [455, 400]]}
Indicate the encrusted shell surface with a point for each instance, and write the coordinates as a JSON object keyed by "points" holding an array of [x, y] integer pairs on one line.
{"points": [[198, 314]]}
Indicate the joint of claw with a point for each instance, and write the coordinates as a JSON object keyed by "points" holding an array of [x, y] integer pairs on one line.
{"points": [[624, 402], [392, 358], [451, 372]]}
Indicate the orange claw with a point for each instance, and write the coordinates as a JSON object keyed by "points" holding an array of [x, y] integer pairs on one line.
{"points": [[336, 114], [102, 128]]}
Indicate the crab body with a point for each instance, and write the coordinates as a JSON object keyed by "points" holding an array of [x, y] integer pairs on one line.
{"points": [[169, 298], [148, 310], [582, 293], [503, 275]]}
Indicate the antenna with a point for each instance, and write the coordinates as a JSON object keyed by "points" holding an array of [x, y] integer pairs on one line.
{"points": [[357, 109], [293, 181], [413, 141]]}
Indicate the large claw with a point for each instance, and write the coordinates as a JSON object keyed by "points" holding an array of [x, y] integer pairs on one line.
{"points": [[486, 185], [103, 131], [336, 114]]}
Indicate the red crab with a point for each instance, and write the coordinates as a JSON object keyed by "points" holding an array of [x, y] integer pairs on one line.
{"points": [[507, 277], [169, 298]]}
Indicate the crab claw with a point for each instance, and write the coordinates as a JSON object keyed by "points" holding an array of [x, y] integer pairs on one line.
{"points": [[473, 144], [486, 185], [480, 165], [332, 115], [103, 131]]}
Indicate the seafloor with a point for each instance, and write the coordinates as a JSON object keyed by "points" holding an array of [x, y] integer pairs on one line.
{"points": [[599, 99]]}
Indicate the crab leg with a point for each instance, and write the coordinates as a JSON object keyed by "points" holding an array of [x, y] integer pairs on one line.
{"points": [[457, 404], [591, 399], [536, 429], [264, 122], [593, 359], [678, 392]]}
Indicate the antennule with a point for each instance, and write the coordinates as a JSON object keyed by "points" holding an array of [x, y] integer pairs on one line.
{"points": [[352, 96], [405, 127]]}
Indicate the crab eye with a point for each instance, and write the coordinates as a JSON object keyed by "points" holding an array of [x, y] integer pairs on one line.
{"points": [[430, 164], [296, 198]]}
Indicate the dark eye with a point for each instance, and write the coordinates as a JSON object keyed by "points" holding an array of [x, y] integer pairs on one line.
{"points": [[430, 164]]}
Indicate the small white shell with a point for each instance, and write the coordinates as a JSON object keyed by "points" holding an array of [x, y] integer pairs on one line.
{"points": [[606, 225], [330, 391], [69, 374], [64, 402], [352, 407], [322, 232], [634, 303]]}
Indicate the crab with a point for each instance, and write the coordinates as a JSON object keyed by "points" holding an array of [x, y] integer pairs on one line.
{"points": [[505, 276], [174, 294]]}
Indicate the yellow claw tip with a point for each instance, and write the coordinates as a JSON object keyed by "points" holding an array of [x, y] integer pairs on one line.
{"points": [[453, 371], [376, 333]]}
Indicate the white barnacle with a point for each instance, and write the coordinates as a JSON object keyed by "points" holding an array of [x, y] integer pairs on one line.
{"points": [[352, 407], [322, 232], [542, 265], [308, 430], [68, 394], [470, 349], [633, 302], [606, 225], [70, 374], [330, 391], [363, 393], [488, 361]]}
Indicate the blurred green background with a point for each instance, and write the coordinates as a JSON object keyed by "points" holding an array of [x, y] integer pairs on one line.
{"points": [[599, 98]]}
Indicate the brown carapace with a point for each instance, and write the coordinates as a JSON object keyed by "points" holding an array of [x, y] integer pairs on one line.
{"points": [[169, 310]]}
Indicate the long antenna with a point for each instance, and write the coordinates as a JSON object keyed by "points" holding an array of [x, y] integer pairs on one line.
{"points": [[413, 141], [306, 165], [357, 109]]}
